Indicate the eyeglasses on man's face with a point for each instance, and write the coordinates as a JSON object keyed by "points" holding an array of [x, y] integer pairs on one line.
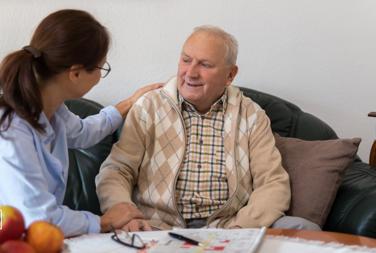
{"points": [[105, 69], [125, 239]]}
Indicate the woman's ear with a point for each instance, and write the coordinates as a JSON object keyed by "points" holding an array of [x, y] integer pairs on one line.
{"points": [[75, 72]]}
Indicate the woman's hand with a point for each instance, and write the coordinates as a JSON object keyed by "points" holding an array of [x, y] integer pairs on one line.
{"points": [[119, 215], [124, 106]]}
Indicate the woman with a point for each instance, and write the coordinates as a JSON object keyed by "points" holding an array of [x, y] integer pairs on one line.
{"points": [[64, 60]]}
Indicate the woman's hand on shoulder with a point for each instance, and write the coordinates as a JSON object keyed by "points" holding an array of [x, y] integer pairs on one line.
{"points": [[124, 106], [143, 90]]}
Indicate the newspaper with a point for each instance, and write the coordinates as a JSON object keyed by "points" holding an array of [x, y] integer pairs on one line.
{"points": [[217, 240]]}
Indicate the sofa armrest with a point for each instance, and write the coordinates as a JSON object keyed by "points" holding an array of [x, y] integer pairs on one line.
{"points": [[354, 209]]}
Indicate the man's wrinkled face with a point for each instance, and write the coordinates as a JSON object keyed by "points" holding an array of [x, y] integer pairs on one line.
{"points": [[203, 72]]}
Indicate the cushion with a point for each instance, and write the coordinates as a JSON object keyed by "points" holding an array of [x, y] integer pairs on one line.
{"points": [[316, 169]]}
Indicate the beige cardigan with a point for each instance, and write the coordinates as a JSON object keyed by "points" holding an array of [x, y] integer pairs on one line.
{"points": [[144, 164]]}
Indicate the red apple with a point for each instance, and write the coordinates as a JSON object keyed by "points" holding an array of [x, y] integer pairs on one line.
{"points": [[16, 246], [12, 224]]}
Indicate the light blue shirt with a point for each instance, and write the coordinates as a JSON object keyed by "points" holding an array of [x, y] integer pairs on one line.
{"points": [[34, 166]]}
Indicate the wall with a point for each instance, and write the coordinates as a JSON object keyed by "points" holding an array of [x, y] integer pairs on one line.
{"points": [[318, 54]]}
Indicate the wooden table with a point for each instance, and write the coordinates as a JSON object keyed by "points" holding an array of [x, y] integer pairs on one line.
{"points": [[324, 236]]}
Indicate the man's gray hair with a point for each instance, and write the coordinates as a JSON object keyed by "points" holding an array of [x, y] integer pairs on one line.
{"points": [[229, 40]]}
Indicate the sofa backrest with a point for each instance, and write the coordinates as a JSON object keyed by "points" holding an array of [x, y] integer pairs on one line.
{"points": [[288, 119]]}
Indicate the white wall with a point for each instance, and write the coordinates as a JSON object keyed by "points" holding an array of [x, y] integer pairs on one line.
{"points": [[319, 54]]}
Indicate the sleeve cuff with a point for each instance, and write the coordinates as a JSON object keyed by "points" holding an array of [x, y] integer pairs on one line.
{"points": [[94, 223], [114, 116]]}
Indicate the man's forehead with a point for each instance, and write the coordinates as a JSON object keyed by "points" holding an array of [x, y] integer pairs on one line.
{"points": [[204, 45]]}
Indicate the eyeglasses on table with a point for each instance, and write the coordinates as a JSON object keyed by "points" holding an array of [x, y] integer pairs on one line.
{"points": [[123, 237]]}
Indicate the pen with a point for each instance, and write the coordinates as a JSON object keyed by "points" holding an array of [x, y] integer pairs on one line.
{"points": [[258, 240], [185, 239]]}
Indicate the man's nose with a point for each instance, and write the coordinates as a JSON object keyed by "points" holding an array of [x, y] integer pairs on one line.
{"points": [[192, 71]]}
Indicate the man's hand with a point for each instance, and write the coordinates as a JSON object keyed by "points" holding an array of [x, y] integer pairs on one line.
{"points": [[137, 225], [119, 215]]}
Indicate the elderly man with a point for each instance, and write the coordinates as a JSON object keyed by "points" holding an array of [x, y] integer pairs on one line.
{"points": [[197, 152]]}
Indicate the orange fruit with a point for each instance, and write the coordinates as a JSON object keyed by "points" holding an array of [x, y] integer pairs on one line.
{"points": [[45, 237]]}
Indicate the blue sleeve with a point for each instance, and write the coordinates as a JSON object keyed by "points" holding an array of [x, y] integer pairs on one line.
{"points": [[84, 133], [26, 183]]}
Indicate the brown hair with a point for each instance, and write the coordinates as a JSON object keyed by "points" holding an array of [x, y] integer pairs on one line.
{"points": [[62, 39]]}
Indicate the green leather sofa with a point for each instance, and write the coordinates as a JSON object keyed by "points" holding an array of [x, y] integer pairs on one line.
{"points": [[354, 209]]}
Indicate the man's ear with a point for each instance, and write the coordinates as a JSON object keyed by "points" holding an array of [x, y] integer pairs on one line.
{"points": [[75, 72], [231, 74]]}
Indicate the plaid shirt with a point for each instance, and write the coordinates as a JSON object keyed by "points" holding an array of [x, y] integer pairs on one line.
{"points": [[202, 183]]}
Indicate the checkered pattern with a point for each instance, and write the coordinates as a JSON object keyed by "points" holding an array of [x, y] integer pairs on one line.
{"points": [[202, 182], [144, 165]]}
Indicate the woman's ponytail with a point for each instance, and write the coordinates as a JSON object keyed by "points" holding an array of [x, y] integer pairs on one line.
{"points": [[20, 92]]}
